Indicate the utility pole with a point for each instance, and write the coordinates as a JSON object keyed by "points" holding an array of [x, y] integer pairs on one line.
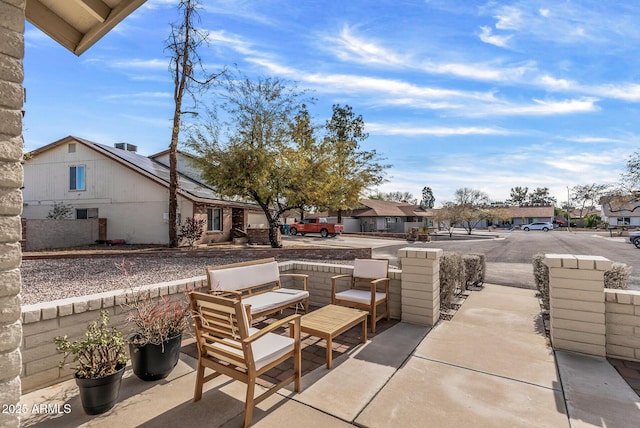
{"points": [[568, 211]]}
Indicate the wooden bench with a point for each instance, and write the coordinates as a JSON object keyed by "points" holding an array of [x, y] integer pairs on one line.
{"points": [[257, 284]]}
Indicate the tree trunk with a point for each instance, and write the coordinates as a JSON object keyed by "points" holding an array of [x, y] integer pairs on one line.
{"points": [[173, 181], [339, 216], [273, 235]]}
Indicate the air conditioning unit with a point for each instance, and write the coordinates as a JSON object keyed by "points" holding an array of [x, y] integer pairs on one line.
{"points": [[126, 146]]}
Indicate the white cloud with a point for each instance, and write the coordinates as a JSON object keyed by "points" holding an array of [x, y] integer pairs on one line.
{"points": [[348, 47], [539, 108], [140, 64], [487, 36], [509, 18], [409, 130]]}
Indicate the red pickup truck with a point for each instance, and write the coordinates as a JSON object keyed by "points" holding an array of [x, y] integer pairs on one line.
{"points": [[316, 225]]}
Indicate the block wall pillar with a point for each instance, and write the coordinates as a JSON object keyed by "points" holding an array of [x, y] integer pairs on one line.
{"points": [[577, 302], [420, 285], [12, 18]]}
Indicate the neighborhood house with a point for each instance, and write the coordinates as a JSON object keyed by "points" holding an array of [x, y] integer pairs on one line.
{"points": [[129, 190]]}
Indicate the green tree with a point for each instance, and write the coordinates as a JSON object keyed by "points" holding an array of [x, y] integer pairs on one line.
{"points": [[588, 196], [518, 195], [185, 66], [540, 195], [259, 157], [449, 216], [471, 206], [428, 200], [351, 169]]}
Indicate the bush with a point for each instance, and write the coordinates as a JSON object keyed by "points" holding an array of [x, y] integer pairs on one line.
{"points": [[541, 278], [452, 277], [617, 277], [191, 230], [475, 268], [60, 211]]}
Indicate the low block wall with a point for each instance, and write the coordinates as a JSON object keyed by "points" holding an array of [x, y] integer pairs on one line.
{"points": [[622, 317], [42, 234], [586, 317], [42, 322]]}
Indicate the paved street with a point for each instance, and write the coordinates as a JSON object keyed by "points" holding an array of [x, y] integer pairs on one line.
{"points": [[509, 255]]}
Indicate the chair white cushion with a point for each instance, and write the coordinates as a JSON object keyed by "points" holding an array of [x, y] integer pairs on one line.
{"points": [[360, 296], [374, 269], [265, 350], [244, 276], [273, 299]]}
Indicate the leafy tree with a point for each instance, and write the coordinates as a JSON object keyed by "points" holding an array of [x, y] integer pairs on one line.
{"points": [[265, 153], [540, 195], [428, 200], [518, 196], [592, 220], [395, 197], [472, 207], [351, 169], [60, 211], [185, 64], [587, 196]]}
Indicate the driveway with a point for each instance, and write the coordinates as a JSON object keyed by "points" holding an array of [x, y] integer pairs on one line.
{"points": [[509, 255]]}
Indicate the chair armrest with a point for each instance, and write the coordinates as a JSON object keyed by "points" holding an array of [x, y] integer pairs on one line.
{"points": [[333, 284], [374, 287], [304, 276], [295, 318]]}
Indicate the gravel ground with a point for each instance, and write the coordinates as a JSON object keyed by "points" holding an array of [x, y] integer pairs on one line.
{"points": [[45, 280]]}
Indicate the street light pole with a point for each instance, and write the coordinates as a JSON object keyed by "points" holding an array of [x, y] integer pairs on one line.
{"points": [[568, 211]]}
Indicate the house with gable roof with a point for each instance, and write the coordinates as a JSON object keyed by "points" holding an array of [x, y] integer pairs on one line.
{"points": [[130, 190]]}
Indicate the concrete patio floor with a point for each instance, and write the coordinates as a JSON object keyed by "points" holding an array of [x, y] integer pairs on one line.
{"points": [[490, 366]]}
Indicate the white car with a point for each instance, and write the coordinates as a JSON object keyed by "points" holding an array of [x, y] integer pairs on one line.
{"points": [[634, 237], [538, 225]]}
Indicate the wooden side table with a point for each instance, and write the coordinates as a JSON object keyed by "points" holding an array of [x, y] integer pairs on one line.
{"points": [[331, 321]]}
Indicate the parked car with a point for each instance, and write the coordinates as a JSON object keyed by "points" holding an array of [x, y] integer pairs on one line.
{"points": [[316, 225], [634, 237], [538, 225]]}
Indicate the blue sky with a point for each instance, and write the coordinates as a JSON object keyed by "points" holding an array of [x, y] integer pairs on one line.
{"points": [[454, 93]]}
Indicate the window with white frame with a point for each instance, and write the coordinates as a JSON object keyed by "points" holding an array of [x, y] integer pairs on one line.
{"points": [[214, 219], [86, 213], [76, 177]]}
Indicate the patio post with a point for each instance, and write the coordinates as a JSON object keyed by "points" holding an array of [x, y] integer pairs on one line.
{"points": [[577, 302], [12, 16], [420, 285]]}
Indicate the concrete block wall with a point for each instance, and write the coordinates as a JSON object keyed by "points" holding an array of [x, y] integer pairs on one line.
{"points": [[622, 317], [319, 282], [43, 322], [577, 301], [420, 285], [12, 18], [40, 233]]}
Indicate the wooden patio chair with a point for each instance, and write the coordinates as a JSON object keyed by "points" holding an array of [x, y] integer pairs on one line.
{"points": [[368, 288], [228, 345]]}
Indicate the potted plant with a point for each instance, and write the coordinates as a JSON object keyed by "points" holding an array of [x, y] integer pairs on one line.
{"points": [[101, 359], [155, 344]]}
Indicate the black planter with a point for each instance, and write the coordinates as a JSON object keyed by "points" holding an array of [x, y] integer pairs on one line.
{"points": [[155, 362], [100, 395]]}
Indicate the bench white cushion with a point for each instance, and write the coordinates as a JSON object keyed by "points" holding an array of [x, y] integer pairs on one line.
{"points": [[274, 299], [359, 296], [238, 278]]}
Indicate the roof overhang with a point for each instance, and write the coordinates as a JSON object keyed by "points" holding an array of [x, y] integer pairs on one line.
{"points": [[78, 24]]}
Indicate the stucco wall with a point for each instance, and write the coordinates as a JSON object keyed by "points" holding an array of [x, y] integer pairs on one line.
{"points": [[11, 175]]}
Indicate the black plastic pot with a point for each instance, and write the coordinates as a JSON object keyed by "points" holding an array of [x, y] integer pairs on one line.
{"points": [[155, 362], [100, 395]]}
